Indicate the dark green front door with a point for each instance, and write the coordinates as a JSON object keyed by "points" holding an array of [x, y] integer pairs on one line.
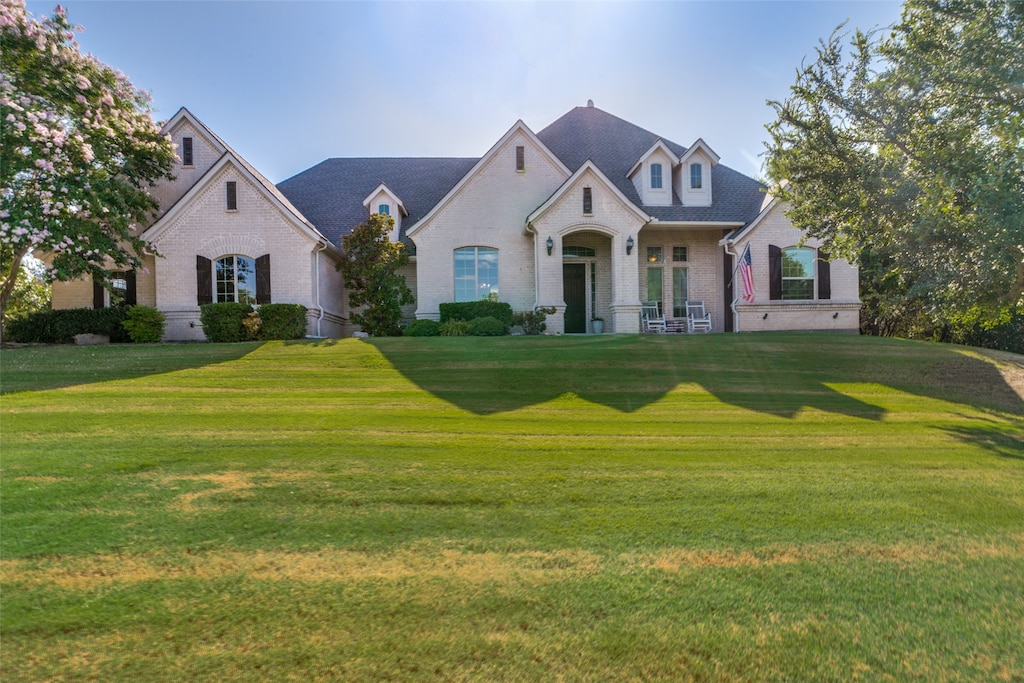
{"points": [[574, 289]]}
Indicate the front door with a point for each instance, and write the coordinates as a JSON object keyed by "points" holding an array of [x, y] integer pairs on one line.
{"points": [[574, 289]]}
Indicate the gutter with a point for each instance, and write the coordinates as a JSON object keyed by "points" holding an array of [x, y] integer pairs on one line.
{"points": [[316, 267]]}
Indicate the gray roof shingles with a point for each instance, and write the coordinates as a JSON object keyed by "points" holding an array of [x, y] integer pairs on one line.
{"points": [[330, 194]]}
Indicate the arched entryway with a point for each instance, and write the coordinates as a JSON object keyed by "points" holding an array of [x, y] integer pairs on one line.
{"points": [[586, 279]]}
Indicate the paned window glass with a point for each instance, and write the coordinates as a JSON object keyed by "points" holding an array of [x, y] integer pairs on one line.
{"points": [[679, 254], [654, 286], [798, 273], [696, 179], [679, 292], [236, 280], [655, 176], [476, 273], [654, 254]]}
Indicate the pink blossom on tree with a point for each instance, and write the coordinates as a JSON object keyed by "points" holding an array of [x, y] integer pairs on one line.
{"points": [[79, 152]]}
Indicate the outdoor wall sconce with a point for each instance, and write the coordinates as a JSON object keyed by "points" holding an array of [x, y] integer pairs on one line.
{"points": [[551, 245], [764, 317], [835, 315], [629, 245]]}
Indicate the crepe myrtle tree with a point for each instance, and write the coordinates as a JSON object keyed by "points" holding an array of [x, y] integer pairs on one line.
{"points": [[79, 151], [369, 265], [902, 149]]}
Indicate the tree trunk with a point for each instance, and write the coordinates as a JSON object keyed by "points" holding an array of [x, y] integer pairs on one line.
{"points": [[8, 287]]}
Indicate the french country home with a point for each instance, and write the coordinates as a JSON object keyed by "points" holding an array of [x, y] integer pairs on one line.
{"points": [[592, 216]]}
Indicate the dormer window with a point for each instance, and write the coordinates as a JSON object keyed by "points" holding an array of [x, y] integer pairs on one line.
{"points": [[696, 176], [655, 176], [186, 151], [384, 209]]}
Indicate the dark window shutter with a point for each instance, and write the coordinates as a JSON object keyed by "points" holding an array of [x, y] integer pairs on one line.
{"points": [[232, 195], [774, 272], [98, 299], [263, 279], [131, 296], [204, 280], [824, 276]]}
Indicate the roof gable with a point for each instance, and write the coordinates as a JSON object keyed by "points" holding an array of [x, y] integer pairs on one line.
{"points": [[517, 128], [588, 167]]}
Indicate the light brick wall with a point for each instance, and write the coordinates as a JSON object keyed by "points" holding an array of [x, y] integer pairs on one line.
{"points": [[611, 219], [839, 313], [205, 153], [78, 293], [489, 211], [258, 227]]}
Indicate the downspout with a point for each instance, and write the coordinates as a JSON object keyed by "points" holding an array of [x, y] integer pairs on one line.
{"points": [[732, 306], [536, 266], [316, 266]]}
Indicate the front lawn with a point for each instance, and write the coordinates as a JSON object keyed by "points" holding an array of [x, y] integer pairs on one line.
{"points": [[721, 507]]}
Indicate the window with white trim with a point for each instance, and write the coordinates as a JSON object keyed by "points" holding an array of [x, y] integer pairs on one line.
{"points": [[476, 273], [655, 176], [235, 279], [798, 273], [384, 209], [696, 176]]}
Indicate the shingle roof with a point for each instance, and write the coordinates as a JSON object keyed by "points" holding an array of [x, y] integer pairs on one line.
{"points": [[331, 193], [614, 145]]}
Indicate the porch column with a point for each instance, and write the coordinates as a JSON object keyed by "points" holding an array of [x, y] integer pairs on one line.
{"points": [[549, 280], [625, 304]]}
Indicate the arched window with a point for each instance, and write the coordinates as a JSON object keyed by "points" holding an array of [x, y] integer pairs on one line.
{"points": [[476, 273], [236, 280], [798, 273]]}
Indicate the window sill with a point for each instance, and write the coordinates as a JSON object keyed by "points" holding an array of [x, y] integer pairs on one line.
{"points": [[230, 210]]}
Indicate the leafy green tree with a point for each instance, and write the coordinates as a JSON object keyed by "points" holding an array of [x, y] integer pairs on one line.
{"points": [[370, 264], [79, 152], [31, 291], [905, 153]]}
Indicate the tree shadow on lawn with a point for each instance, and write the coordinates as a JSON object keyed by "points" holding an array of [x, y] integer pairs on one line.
{"points": [[778, 374], [993, 438], [37, 368]]}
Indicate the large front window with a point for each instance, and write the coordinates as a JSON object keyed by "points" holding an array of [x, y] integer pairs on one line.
{"points": [[798, 273], [476, 273], [236, 280]]}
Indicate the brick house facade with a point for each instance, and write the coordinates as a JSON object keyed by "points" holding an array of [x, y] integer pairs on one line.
{"points": [[592, 216]]}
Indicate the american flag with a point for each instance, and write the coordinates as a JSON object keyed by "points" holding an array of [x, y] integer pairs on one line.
{"points": [[747, 272]]}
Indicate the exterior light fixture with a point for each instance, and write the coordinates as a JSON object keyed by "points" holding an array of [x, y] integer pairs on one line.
{"points": [[551, 244], [629, 245]]}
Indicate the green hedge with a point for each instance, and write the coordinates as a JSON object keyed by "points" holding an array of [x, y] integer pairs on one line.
{"points": [[423, 328], [282, 321], [61, 326], [471, 310], [144, 324], [223, 322], [487, 327]]}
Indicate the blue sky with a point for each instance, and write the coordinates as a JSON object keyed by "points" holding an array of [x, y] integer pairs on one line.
{"points": [[288, 84]]}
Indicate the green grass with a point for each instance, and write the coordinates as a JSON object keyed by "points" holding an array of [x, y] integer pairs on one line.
{"points": [[714, 508]]}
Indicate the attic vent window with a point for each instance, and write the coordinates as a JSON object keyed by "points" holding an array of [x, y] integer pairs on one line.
{"points": [[520, 158], [232, 195], [588, 201], [655, 176], [186, 151], [695, 176]]}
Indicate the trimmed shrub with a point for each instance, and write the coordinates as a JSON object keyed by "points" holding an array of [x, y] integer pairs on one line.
{"points": [[454, 328], [471, 310], [535, 321], [144, 324], [283, 321], [423, 328], [61, 326], [487, 327], [223, 322]]}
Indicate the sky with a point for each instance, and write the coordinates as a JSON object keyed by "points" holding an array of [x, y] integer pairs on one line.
{"points": [[290, 83]]}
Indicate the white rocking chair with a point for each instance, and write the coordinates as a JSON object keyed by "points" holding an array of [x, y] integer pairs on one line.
{"points": [[652, 318], [697, 319]]}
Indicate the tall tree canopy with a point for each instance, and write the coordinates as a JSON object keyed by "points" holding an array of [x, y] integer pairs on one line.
{"points": [[370, 264], [905, 151], [79, 151]]}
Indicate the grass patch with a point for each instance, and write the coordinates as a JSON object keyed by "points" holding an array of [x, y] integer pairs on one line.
{"points": [[742, 507]]}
